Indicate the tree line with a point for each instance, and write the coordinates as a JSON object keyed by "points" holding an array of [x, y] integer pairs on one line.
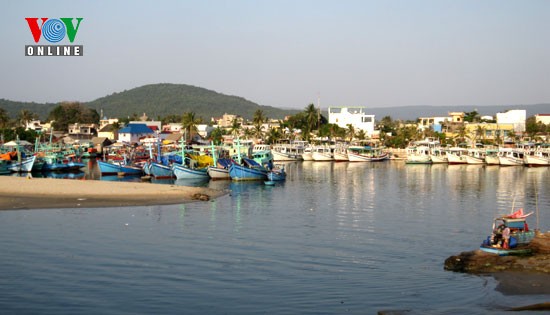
{"points": [[310, 123]]}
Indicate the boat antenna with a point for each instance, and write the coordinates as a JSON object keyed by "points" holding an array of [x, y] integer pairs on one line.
{"points": [[513, 204]]}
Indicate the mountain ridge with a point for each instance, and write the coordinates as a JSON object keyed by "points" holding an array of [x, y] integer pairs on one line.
{"points": [[162, 99]]}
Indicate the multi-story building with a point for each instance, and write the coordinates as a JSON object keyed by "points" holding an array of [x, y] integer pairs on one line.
{"points": [[355, 116], [516, 117]]}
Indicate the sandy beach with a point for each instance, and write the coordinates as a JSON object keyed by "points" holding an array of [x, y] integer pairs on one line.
{"points": [[38, 193]]}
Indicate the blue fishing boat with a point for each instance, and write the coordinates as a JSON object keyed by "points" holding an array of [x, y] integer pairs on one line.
{"points": [[277, 173], [23, 165], [161, 171], [249, 170], [111, 168], [511, 235], [184, 172]]}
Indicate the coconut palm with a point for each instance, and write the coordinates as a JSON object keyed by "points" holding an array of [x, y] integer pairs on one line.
{"points": [[350, 132], [235, 127], [4, 119], [25, 116], [189, 123]]}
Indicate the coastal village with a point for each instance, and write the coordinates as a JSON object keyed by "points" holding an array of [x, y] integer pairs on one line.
{"points": [[192, 149]]}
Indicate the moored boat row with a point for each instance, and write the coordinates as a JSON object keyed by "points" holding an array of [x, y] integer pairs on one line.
{"points": [[429, 151]]}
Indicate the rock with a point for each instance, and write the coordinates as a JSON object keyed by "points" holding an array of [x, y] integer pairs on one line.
{"points": [[201, 197]]}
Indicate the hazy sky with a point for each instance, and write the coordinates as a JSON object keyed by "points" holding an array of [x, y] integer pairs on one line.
{"points": [[286, 53]]}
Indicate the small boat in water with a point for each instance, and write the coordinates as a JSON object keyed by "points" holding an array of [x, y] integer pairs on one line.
{"points": [[277, 173], [511, 235]]}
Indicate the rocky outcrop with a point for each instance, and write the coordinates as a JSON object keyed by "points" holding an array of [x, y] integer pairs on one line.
{"points": [[478, 261]]}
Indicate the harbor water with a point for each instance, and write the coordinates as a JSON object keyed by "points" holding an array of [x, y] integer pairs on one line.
{"points": [[335, 238]]}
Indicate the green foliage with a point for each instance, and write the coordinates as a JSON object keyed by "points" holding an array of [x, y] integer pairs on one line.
{"points": [[70, 113], [175, 99], [10, 134]]}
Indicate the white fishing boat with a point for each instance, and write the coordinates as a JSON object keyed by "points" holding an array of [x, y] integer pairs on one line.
{"points": [[291, 151], [322, 153], [438, 155], [457, 155], [367, 154], [308, 153], [538, 157], [510, 157], [491, 157], [476, 156], [341, 152], [418, 154]]}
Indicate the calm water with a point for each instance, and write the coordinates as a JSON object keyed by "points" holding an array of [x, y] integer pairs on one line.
{"points": [[334, 238]]}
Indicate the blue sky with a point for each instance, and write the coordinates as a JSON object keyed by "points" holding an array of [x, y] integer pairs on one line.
{"points": [[287, 53]]}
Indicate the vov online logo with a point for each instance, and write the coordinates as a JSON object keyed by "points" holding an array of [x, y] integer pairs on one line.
{"points": [[54, 31]]}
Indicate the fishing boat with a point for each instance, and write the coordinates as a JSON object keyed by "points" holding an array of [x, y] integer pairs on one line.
{"points": [[308, 153], [457, 155], [277, 173], [491, 157], [476, 156], [249, 170], [418, 154], [366, 154], [291, 151], [438, 155], [22, 165], [185, 172], [4, 167], [220, 170], [510, 236], [322, 153], [341, 152], [159, 170], [537, 157], [510, 157], [113, 167]]}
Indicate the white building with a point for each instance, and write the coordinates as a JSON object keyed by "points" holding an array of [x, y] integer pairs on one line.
{"points": [[543, 118], [355, 116], [516, 117]]}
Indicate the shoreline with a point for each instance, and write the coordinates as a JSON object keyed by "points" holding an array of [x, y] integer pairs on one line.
{"points": [[20, 193]]}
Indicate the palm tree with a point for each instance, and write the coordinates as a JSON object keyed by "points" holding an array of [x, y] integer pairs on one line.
{"points": [[235, 127], [312, 117], [259, 117], [25, 116], [4, 118], [189, 123], [273, 136], [350, 132]]}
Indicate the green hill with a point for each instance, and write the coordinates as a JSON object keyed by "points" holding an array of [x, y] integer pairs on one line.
{"points": [[160, 100]]}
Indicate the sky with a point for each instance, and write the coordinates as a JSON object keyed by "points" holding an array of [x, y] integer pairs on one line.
{"points": [[289, 54]]}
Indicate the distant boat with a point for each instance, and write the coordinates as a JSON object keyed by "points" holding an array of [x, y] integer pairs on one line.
{"points": [[457, 155], [537, 158], [510, 157], [367, 154], [250, 170], [288, 151], [322, 153]]}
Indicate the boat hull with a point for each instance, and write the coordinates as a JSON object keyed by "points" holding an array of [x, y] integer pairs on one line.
{"points": [[506, 252], [161, 171], [182, 172], [239, 172]]}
